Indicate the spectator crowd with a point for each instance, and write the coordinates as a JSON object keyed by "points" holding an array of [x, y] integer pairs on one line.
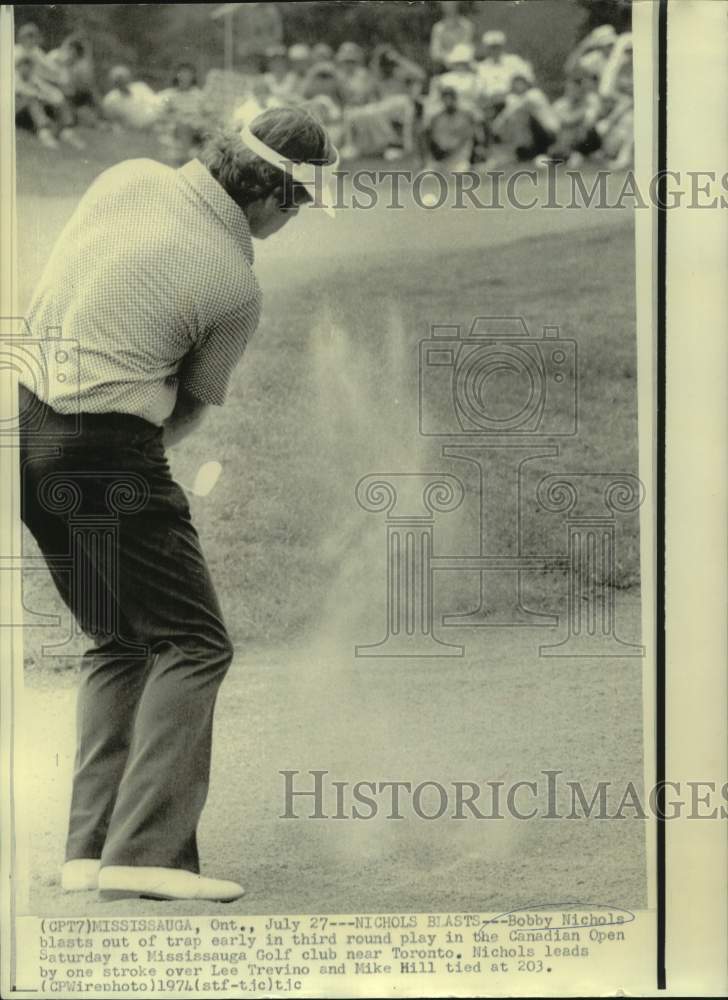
{"points": [[476, 102]]}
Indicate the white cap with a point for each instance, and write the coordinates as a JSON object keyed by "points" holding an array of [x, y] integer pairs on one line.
{"points": [[494, 38], [299, 52], [604, 34], [318, 179], [119, 74]]}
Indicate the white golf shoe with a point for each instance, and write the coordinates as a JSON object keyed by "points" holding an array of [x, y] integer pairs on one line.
{"points": [[122, 882], [80, 875]]}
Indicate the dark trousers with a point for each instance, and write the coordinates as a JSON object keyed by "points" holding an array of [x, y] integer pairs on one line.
{"points": [[541, 139], [139, 587]]}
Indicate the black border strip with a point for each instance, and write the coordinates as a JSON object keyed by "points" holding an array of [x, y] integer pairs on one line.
{"points": [[661, 313]]}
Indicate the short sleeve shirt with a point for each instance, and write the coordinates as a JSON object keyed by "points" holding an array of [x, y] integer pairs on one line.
{"points": [[151, 287]]}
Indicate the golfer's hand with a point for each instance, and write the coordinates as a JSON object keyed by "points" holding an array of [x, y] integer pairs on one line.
{"points": [[186, 416]]}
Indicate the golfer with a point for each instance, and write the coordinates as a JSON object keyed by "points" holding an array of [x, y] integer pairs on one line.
{"points": [[151, 284]]}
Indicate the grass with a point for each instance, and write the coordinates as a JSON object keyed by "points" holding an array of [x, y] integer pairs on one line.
{"points": [[66, 171]]}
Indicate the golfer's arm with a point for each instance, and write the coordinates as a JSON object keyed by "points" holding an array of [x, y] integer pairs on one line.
{"points": [[186, 416]]}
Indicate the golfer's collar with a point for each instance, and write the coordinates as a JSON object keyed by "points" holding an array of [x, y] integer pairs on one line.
{"points": [[216, 197]]}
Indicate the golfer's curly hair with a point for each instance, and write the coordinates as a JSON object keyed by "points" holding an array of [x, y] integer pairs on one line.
{"points": [[295, 133]]}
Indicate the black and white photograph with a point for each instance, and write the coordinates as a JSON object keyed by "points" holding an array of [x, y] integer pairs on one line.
{"points": [[333, 331]]}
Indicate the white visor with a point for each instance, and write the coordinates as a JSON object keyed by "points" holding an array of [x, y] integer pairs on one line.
{"points": [[318, 179]]}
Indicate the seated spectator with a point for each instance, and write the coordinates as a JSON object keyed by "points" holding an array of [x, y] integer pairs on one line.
{"points": [[584, 102], [29, 41], [184, 97], [357, 82], [451, 135], [282, 81], [527, 125], [322, 80], [616, 127], [74, 61], [130, 103], [577, 112], [384, 124], [497, 69], [598, 42], [620, 55], [452, 30], [30, 104], [590, 69], [394, 74], [183, 116], [42, 80], [461, 77], [382, 127]]}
